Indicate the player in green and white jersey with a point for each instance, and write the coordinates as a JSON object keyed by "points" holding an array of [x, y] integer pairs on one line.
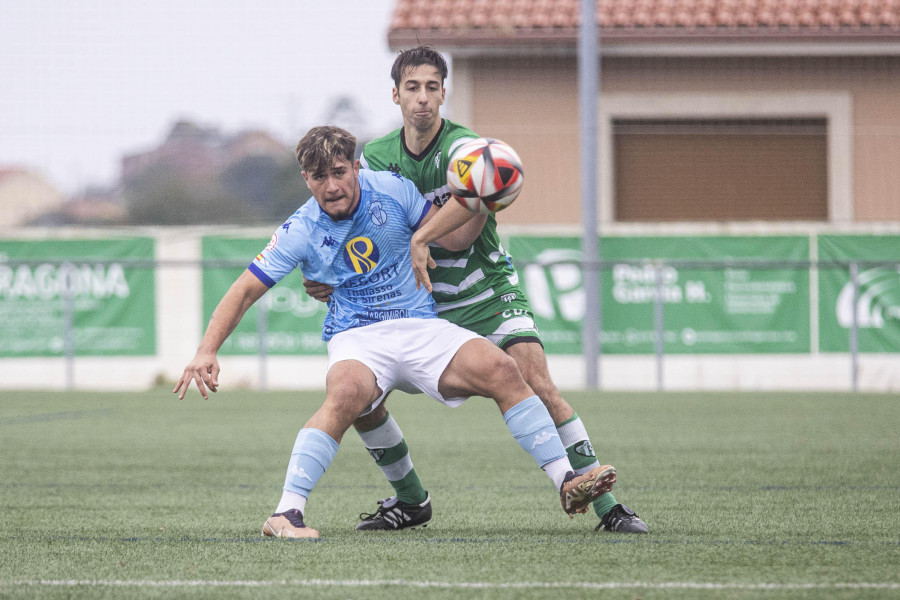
{"points": [[464, 282], [476, 288]]}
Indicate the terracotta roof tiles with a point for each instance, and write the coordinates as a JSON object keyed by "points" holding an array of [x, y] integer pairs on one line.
{"points": [[556, 21]]}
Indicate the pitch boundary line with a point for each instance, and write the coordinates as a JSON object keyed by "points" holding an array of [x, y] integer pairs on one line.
{"points": [[611, 585]]}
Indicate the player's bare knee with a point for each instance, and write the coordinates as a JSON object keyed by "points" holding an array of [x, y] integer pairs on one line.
{"points": [[501, 370], [349, 395]]}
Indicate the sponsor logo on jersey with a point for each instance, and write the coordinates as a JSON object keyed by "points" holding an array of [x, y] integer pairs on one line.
{"points": [[585, 448], [376, 211], [542, 438], [328, 241], [376, 453], [361, 254], [386, 315]]}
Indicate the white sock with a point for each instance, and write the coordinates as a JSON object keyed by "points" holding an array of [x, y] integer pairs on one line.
{"points": [[291, 500], [557, 470]]}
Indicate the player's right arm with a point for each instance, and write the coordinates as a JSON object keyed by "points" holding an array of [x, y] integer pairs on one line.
{"points": [[204, 368]]}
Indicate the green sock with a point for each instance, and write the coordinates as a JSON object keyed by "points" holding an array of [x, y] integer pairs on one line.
{"points": [[386, 445], [581, 454]]}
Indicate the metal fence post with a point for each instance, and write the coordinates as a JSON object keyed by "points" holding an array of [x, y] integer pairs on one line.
{"points": [[69, 324], [854, 328], [658, 326]]}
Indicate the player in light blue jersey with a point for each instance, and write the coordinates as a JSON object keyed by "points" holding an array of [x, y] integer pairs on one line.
{"points": [[382, 332]]}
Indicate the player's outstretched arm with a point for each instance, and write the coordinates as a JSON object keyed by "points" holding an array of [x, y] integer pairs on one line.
{"points": [[452, 227], [204, 367]]}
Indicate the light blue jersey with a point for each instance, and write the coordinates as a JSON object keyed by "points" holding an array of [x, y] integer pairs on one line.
{"points": [[365, 257]]}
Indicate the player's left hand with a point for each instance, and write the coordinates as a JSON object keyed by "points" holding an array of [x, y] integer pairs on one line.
{"points": [[421, 262], [319, 291]]}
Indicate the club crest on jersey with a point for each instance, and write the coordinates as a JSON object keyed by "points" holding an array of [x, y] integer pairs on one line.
{"points": [[437, 160], [361, 254], [376, 211]]}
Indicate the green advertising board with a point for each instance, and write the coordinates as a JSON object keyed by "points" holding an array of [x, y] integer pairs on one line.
{"points": [[877, 298], [293, 319], [111, 303], [706, 309]]}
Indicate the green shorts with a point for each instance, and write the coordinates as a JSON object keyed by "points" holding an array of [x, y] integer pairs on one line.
{"points": [[505, 320]]}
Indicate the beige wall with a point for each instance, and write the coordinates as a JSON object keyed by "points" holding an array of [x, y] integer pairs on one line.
{"points": [[24, 196], [531, 102]]}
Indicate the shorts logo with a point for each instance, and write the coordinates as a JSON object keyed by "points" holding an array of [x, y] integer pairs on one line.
{"points": [[361, 254], [376, 453], [585, 448]]}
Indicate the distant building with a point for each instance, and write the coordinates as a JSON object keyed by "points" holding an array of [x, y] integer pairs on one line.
{"points": [[708, 111], [25, 195], [200, 151], [96, 206]]}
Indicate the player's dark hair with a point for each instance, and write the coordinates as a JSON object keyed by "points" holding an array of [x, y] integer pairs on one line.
{"points": [[415, 57], [321, 146]]}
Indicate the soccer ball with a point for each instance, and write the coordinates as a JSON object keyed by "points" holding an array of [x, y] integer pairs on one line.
{"points": [[485, 175]]}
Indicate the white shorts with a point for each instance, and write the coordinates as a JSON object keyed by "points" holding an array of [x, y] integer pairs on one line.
{"points": [[404, 354]]}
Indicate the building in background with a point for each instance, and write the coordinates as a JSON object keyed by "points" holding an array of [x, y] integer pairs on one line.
{"points": [[25, 195], [710, 110]]}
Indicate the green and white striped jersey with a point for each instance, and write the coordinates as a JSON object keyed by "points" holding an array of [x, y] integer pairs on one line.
{"points": [[461, 279]]}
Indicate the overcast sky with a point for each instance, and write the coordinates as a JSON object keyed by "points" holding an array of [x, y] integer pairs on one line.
{"points": [[82, 83]]}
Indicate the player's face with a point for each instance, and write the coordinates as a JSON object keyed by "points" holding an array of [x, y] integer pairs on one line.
{"points": [[420, 96], [336, 188]]}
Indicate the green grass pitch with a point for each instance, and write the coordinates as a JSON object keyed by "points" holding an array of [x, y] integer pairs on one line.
{"points": [[140, 495]]}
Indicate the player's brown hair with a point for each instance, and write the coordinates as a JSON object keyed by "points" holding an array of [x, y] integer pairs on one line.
{"points": [[322, 145], [414, 57]]}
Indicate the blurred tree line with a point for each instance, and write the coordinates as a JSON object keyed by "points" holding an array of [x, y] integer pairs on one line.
{"points": [[258, 189], [199, 175]]}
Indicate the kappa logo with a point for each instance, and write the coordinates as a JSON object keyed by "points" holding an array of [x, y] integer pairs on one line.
{"points": [[376, 454], [585, 448], [394, 168], [542, 438], [286, 226], [299, 472], [328, 241]]}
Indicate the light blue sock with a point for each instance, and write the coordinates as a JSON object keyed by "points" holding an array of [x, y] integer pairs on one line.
{"points": [[313, 452], [531, 425]]}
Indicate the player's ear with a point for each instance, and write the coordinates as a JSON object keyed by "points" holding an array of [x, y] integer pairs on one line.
{"points": [[395, 95], [443, 94]]}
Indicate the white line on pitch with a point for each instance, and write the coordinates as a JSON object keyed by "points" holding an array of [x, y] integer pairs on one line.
{"points": [[691, 585]]}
